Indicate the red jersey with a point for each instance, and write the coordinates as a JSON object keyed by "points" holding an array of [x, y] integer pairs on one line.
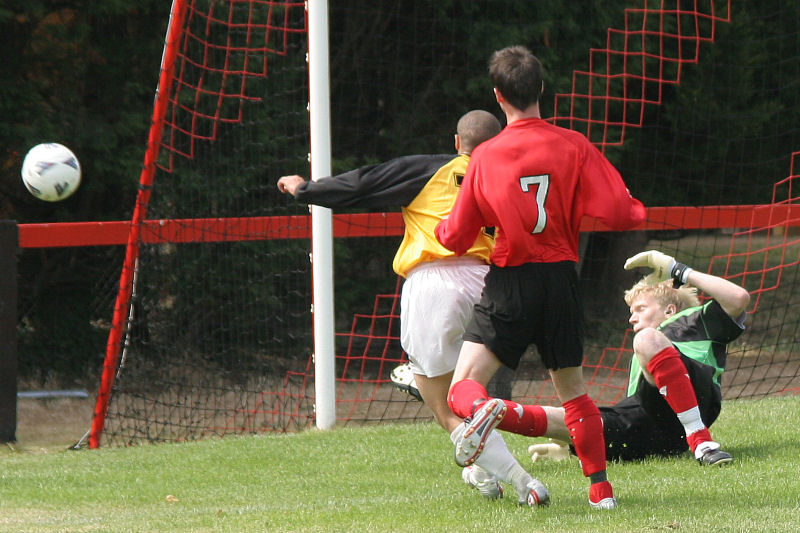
{"points": [[535, 182]]}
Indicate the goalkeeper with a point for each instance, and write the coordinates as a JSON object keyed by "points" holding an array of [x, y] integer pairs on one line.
{"points": [[439, 289], [673, 391]]}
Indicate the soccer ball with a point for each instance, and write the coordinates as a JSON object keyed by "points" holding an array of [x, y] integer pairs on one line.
{"points": [[51, 172]]}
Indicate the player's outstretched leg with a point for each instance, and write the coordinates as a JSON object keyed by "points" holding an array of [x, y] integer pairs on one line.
{"points": [[469, 445], [483, 481], [498, 461]]}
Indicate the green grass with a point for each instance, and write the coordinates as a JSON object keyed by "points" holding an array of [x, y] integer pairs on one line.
{"points": [[398, 478]]}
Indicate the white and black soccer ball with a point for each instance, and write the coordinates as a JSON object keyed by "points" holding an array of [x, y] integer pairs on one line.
{"points": [[51, 172]]}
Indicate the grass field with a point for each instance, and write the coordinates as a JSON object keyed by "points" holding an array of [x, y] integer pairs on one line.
{"points": [[397, 478]]}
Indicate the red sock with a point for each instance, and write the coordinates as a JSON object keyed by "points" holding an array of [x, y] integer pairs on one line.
{"points": [[698, 437], [600, 491], [462, 396], [673, 380], [529, 420], [585, 426]]}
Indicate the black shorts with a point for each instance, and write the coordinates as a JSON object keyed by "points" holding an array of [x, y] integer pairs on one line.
{"points": [[534, 303], [644, 424]]}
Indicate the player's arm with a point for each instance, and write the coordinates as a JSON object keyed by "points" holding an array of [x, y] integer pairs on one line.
{"points": [[393, 183], [731, 297], [605, 196]]}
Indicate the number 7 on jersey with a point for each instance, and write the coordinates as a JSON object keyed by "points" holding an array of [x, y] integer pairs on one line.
{"points": [[542, 183]]}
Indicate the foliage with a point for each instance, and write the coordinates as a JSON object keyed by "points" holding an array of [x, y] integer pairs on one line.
{"points": [[727, 133], [83, 74]]}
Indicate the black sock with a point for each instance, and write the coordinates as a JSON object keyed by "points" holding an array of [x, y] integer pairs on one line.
{"points": [[598, 477]]}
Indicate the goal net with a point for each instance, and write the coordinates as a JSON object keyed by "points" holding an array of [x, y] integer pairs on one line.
{"points": [[212, 332]]}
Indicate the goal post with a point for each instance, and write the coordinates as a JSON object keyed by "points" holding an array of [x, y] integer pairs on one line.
{"points": [[322, 221], [122, 307]]}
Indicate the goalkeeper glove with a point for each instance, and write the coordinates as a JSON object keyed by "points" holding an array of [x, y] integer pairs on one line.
{"points": [[663, 265], [553, 450]]}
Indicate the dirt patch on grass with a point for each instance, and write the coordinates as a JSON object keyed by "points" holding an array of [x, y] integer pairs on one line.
{"points": [[52, 424]]}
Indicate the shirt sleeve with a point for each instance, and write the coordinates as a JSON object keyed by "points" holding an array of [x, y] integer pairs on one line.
{"points": [[393, 183], [721, 327], [606, 198]]}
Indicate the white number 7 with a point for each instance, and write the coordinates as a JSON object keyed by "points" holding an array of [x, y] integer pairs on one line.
{"points": [[543, 182]]}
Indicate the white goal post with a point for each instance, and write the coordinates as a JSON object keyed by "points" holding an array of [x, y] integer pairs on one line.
{"points": [[321, 218]]}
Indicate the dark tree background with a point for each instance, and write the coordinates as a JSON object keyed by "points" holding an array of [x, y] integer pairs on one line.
{"points": [[81, 73]]}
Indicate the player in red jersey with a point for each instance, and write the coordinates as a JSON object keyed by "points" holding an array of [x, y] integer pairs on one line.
{"points": [[534, 182], [440, 290]]}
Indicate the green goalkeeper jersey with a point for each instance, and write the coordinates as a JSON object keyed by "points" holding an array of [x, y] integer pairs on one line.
{"points": [[700, 333]]}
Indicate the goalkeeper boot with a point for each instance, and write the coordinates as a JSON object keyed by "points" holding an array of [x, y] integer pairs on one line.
{"points": [[536, 495], [470, 444], [482, 480], [709, 454], [601, 496]]}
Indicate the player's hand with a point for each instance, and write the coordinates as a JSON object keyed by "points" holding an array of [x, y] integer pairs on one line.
{"points": [[662, 265], [289, 184], [553, 450]]}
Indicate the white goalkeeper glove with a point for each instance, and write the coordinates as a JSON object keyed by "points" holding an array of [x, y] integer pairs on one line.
{"points": [[663, 265], [553, 450]]}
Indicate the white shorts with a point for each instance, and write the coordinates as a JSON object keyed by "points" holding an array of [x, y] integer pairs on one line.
{"points": [[435, 307]]}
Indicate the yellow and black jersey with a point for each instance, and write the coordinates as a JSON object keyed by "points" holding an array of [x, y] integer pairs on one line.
{"points": [[424, 186]]}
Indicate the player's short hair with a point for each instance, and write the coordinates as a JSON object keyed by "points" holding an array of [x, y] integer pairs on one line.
{"points": [[664, 293], [518, 75], [476, 126]]}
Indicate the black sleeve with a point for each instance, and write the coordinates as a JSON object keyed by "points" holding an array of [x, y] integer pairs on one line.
{"points": [[393, 183], [720, 326]]}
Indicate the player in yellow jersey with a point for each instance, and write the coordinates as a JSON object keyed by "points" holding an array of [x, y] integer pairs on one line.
{"points": [[440, 289]]}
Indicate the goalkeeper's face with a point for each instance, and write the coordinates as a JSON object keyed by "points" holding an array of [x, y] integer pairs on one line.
{"points": [[646, 312]]}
